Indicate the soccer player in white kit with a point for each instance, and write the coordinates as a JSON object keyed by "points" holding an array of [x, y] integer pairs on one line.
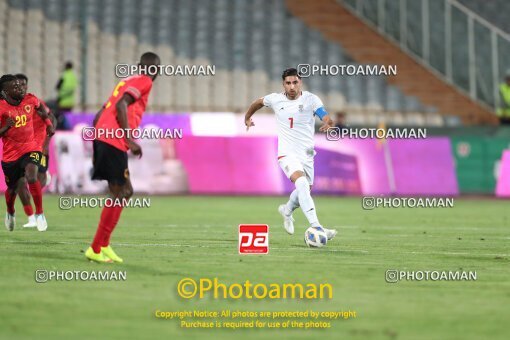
{"points": [[295, 112]]}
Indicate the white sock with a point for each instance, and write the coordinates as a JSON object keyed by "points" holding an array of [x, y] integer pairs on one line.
{"points": [[293, 203], [306, 201]]}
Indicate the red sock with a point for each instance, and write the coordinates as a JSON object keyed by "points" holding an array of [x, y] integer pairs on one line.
{"points": [[9, 201], [109, 218], [28, 210], [111, 226], [35, 190]]}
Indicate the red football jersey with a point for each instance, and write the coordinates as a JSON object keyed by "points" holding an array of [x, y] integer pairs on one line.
{"points": [[19, 139], [139, 88], [40, 128]]}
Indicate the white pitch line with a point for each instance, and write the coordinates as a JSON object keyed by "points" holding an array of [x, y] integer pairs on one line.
{"points": [[224, 246], [229, 245], [427, 227], [340, 227], [452, 253]]}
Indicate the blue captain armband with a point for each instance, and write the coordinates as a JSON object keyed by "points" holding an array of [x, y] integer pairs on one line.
{"points": [[321, 112]]}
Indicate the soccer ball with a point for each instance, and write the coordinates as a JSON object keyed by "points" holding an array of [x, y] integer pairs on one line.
{"points": [[315, 237]]}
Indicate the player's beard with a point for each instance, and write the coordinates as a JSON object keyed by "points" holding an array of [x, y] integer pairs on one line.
{"points": [[292, 95], [18, 96]]}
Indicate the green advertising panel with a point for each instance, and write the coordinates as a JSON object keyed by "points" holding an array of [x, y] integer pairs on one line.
{"points": [[477, 161]]}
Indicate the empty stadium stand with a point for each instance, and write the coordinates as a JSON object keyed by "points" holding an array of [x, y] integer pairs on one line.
{"points": [[249, 42]]}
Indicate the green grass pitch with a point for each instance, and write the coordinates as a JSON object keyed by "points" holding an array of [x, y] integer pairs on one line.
{"points": [[196, 237]]}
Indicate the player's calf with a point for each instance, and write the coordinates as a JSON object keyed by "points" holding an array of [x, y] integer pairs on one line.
{"points": [[305, 199], [34, 186], [10, 219], [24, 196]]}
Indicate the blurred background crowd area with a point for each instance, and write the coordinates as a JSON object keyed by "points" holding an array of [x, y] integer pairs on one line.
{"points": [[451, 55]]}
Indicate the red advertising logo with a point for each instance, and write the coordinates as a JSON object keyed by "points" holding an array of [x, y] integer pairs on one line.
{"points": [[253, 239]]}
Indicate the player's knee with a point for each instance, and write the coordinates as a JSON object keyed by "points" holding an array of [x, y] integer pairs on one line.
{"points": [[128, 192], [31, 178], [296, 175]]}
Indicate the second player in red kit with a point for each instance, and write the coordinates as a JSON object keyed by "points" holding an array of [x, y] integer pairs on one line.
{"points": [[42, 140], [21, 154]]}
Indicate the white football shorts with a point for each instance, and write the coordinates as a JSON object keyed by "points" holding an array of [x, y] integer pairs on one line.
{"points": [[291, 164]]}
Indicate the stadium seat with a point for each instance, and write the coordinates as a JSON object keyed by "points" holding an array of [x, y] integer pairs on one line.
{"points": [[334, 102], [202, 87], [396, 118], [374, 92], [239, 86], [355, 119], [94, 98], [415, 119], [452, 121], [202, 28], [162, 89], [373, 119], [221, 94], [127, 31], [107, 63], [393, 99], [182, 88], [412, 104], [259, 85], [434, 119], [33, 67], [354, 90]]}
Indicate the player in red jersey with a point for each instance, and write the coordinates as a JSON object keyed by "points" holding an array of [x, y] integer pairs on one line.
{"points": [[21, 154], [123, 110], [43, 140]]}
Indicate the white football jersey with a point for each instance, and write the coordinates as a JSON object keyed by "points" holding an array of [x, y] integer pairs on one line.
{"points": [[296, 122]]}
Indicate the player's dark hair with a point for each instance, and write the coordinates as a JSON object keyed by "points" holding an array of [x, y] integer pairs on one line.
{"points": [[149, 58], [290, 72], [69, 65], [5, 79], [22, 76]]}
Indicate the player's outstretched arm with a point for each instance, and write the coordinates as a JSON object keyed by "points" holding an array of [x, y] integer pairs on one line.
{"points": [[328, 123], [254, 107], [44, 114], [46, 143], [324, 116]]}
